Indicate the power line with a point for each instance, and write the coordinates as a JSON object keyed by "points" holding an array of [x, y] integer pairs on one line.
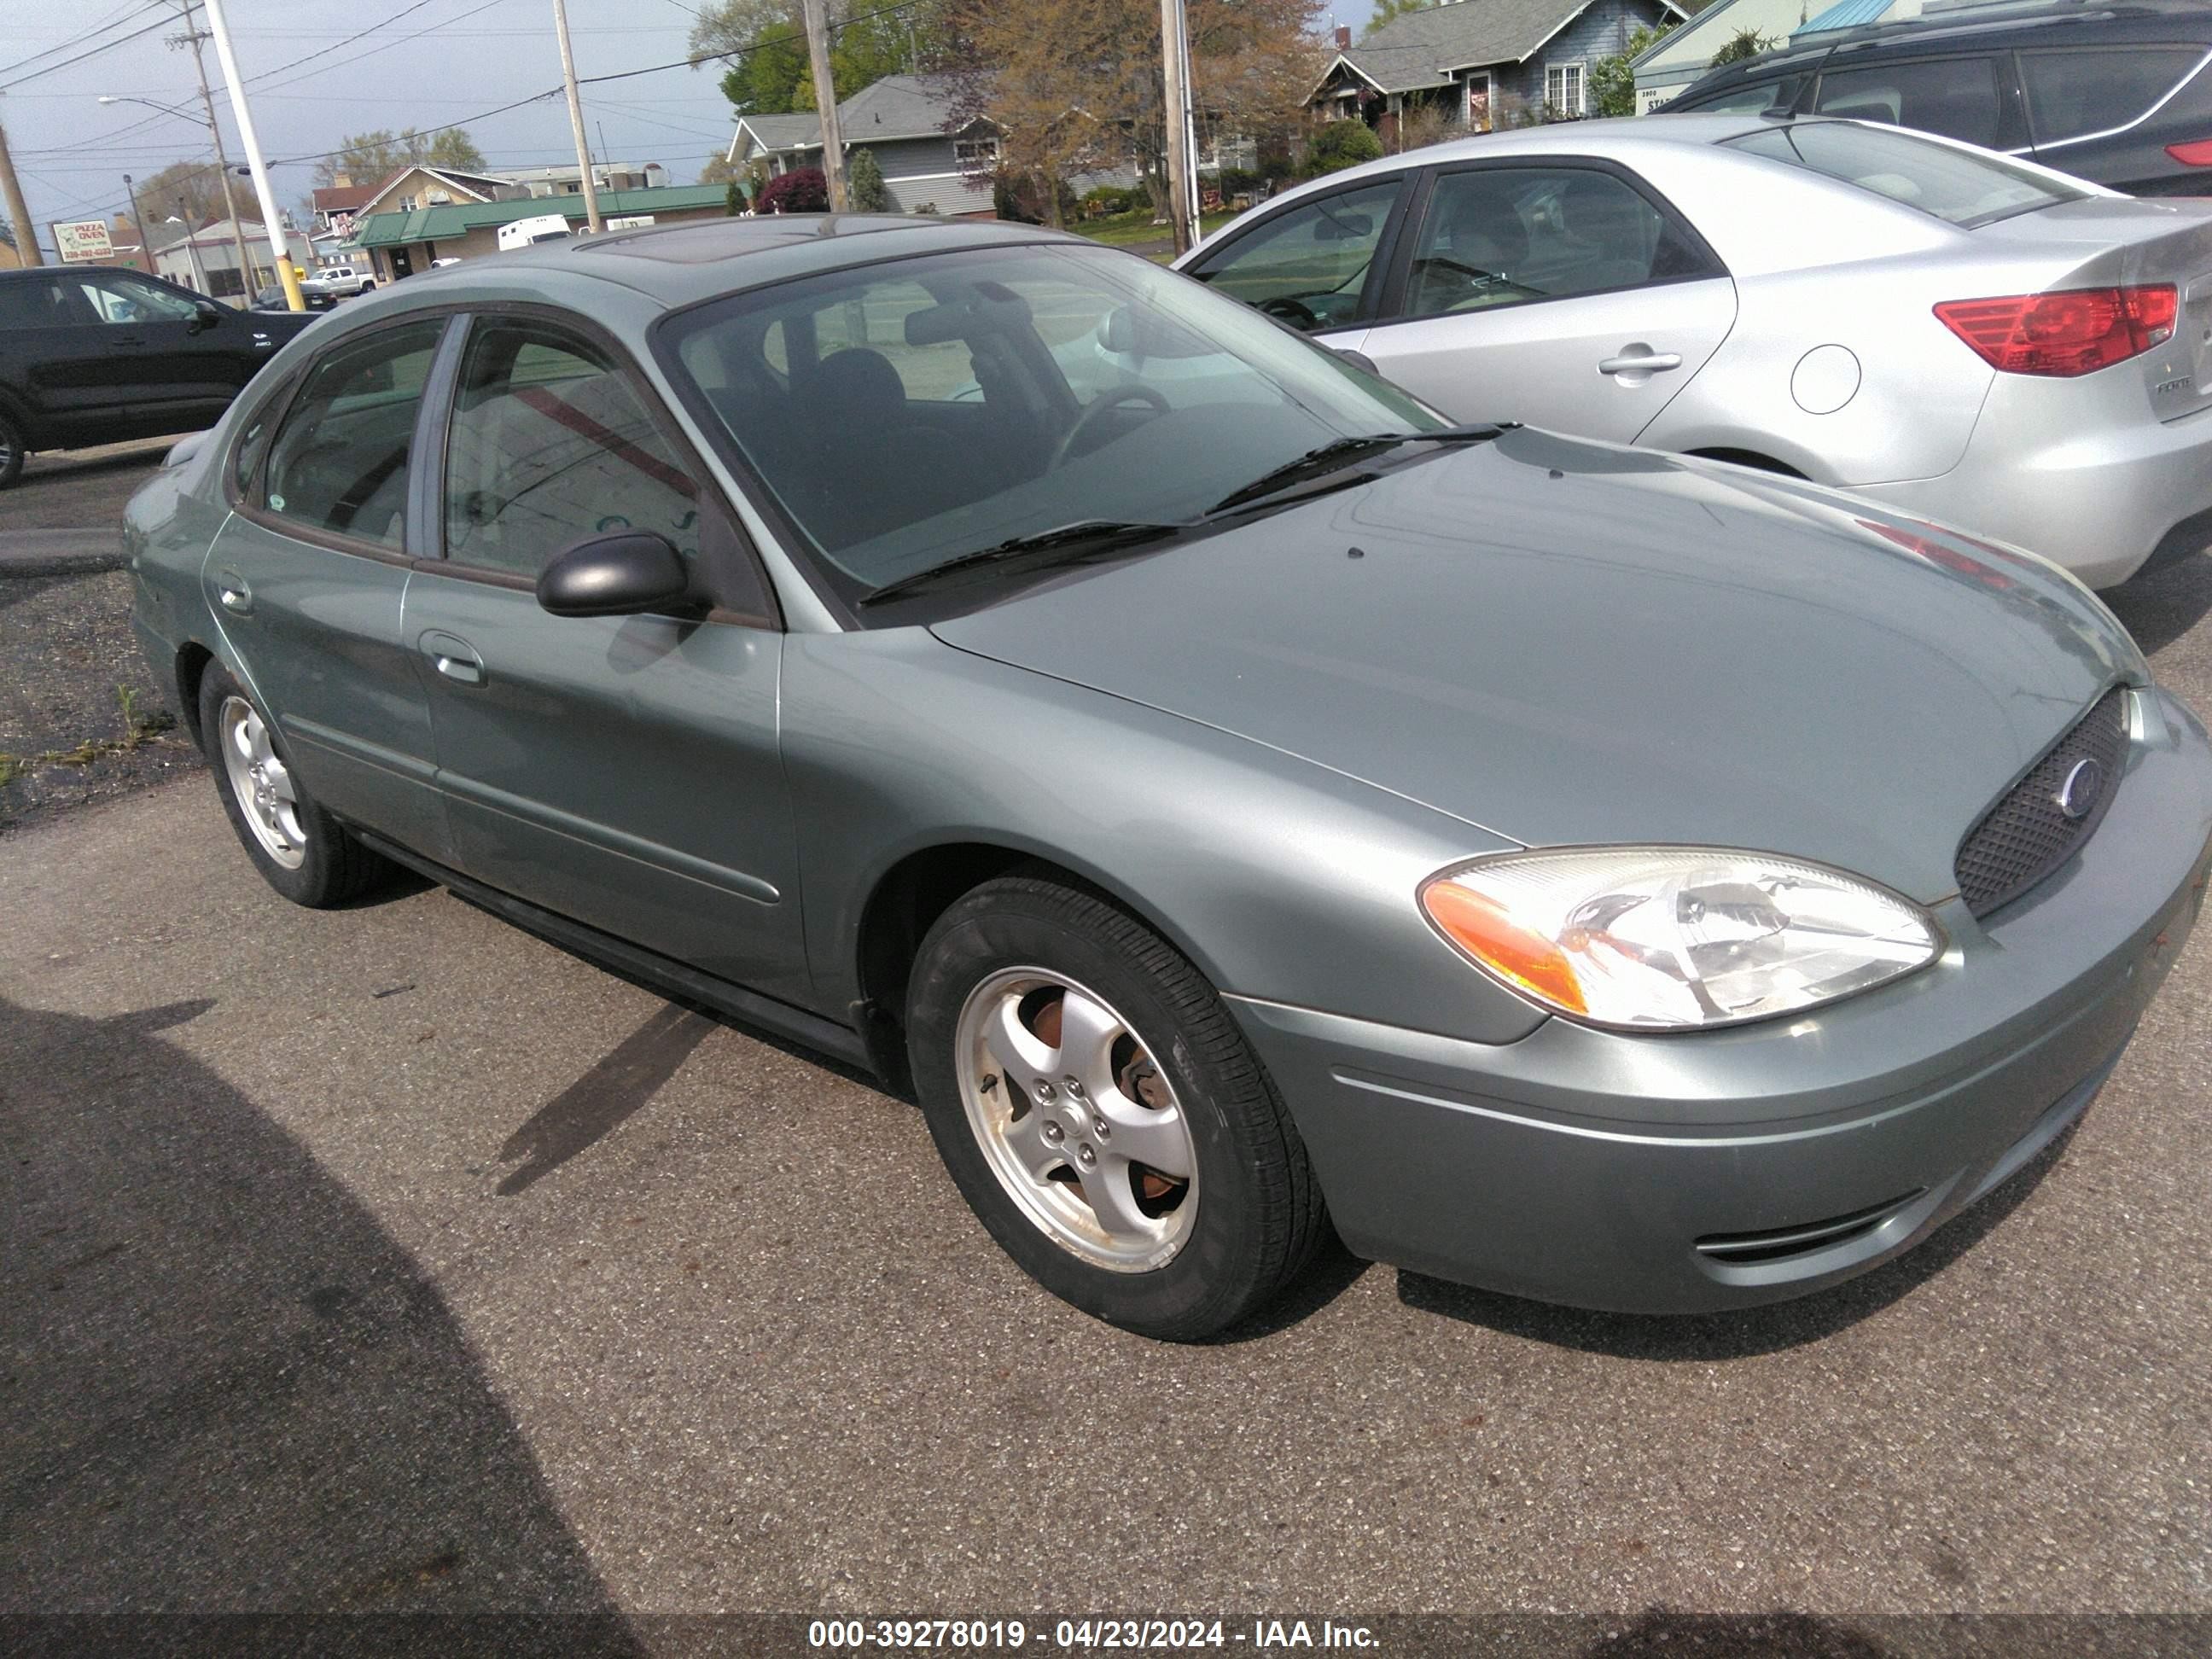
{"points": [[118, 16], [325, 52], [161, 22]]}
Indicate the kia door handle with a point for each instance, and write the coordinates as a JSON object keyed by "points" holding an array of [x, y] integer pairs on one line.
{"points": [[232, 592], [1644, 362], [454, 657]]}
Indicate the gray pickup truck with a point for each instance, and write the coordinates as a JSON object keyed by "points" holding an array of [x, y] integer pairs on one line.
{"points": [[94, 355]]}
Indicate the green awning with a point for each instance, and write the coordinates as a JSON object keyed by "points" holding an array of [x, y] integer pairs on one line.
{"points": [[455, 220]]}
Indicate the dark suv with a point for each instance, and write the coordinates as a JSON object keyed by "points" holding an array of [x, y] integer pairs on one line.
{"points": [[2120, 94], [94, 355]]}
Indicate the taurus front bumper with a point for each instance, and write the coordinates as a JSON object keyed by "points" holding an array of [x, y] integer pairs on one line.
{"points": [[1701, 1171]]}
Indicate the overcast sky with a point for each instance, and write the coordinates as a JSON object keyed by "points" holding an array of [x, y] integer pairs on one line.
{"points": [[71, 153]]}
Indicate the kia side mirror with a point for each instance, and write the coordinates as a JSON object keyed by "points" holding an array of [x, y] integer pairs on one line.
{"points": [[622, 573]]}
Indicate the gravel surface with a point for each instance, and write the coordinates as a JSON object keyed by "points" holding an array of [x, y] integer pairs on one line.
{"points": [[67, 658], [67, 651]]}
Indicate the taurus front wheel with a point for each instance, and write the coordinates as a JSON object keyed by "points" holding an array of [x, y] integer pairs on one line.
{"points": [[1101, 1113]]}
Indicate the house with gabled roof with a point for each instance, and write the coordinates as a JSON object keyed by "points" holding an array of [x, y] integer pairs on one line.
{"points": [[934, 154], [1482, 62]]}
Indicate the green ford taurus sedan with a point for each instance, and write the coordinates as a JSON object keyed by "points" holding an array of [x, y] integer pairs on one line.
{"points": [[1236, 803]]}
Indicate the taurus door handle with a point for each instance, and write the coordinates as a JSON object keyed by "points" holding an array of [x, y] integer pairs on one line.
{"points": [[454, 657], [1646, 362]]}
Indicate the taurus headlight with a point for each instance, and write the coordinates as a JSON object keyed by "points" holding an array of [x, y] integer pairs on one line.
{"points": [[1676, 938]]}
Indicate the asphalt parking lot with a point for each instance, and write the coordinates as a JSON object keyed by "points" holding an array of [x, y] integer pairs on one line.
{"points": [[392, 1259]]}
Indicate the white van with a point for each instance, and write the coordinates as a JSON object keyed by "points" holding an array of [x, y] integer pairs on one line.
{"points": [[546, 228]]}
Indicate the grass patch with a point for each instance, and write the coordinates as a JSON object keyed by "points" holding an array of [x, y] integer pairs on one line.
{"points": [[1124, 229], [139, 729]]}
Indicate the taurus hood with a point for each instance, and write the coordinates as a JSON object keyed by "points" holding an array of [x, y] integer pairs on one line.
{"points": [[1566, 642]]}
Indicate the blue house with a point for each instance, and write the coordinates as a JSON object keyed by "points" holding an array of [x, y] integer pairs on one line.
{"points": [[1483, 63]]}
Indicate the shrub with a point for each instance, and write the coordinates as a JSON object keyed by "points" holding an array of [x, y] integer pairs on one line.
{"points": [[1743, 44], [1113, 199], [804, 191], [1340, 144], [863, 184], [1020, 196], [1612, 81]]}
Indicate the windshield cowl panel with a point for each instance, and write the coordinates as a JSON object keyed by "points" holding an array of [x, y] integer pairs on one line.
{"points": [[909, 415]]}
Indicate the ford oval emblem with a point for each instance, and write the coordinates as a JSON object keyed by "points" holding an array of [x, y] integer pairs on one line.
{"points": [[2077, 796]]}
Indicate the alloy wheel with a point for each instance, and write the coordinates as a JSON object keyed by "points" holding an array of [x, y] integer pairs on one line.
{"points": [[1078, 1122], [261, 783]]}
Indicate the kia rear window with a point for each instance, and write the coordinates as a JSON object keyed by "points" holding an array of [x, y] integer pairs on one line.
{"points": [[1958, 186]]}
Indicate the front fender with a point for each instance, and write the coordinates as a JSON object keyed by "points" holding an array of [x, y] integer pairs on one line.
{"points": [[1279, 879]]}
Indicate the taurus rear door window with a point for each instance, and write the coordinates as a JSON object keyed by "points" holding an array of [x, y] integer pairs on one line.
{"points": [[339, 462]]}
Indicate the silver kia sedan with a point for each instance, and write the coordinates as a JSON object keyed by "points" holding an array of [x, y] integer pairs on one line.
{"points": [[1951, 331]]}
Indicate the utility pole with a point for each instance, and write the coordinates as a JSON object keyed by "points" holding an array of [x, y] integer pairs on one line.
{"points": [[191, 244], [272, 219], [1182, 177], [138, 223], [825, 102], [576, 120], [191, 36], [26, 234]]}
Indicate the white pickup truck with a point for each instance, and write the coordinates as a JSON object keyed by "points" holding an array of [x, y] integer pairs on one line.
{"points": [[337, 279]]}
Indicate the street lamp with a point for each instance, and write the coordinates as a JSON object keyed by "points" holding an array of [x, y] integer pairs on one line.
{"points": [[222, 172]]}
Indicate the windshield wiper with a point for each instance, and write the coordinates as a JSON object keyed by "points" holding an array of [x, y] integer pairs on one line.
{"points": [[1341, 451], [1077, 540]]}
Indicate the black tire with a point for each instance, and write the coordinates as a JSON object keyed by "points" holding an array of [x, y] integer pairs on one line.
{"points": [[12, 452], [1260, 1215], [335, 867]]}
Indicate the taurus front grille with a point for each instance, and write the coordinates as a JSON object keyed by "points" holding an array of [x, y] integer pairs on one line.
{"points": [[2029, 833]]}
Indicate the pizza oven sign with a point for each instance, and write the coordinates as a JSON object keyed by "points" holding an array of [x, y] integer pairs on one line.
{"points": [[86, 238]]}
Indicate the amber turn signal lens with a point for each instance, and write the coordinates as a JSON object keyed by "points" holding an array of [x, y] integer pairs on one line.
{"points": [[1484, 929]]}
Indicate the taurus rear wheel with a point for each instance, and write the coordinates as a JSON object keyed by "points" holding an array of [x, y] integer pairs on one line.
{"points": [[1101, 1113], [301, 850]]}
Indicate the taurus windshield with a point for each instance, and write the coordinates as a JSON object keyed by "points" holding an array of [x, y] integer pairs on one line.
{"points": [[908, 413]]}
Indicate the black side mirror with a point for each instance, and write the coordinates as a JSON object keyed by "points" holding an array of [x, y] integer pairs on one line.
{"points": [[622, 573], [206, 314]]}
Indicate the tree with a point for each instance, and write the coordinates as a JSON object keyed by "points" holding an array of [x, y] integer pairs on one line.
{"points": [[368, 158], [200, 185], [719, 170], [1341, 145], [1386, 10], [1074, 86], [863, 184], [1613, 82], [1744, 43], [764, 43]]}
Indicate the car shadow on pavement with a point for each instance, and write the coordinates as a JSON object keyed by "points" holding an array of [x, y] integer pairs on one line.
{"points": [[597, 1103], [223, 1386], [1710, 1337], [2159, 608]]}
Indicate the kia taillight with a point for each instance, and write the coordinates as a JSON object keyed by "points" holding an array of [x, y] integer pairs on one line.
{"points": [[2197, 155], [2072, 333]]}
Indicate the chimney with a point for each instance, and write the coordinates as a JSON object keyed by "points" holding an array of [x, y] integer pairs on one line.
{"points": [[1344, 37], [344, 180]]}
